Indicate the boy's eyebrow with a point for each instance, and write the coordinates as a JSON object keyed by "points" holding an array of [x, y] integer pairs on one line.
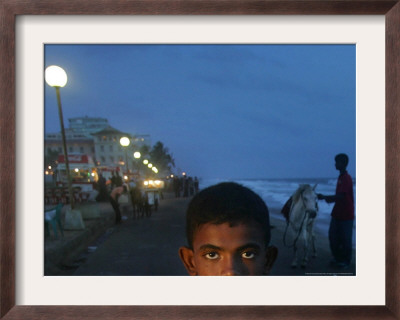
{"points": [[209, 246], [246, 246], [249, 246]]}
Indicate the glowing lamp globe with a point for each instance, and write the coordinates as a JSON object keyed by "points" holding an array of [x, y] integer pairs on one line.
{"points": [[137, 155], [124, 141], [55, 76]]}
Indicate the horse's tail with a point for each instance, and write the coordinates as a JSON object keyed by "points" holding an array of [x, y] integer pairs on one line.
{"points": [[287, 207]]}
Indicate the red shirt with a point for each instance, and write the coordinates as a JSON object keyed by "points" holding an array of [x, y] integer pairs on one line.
{"points": [[344, 208]]}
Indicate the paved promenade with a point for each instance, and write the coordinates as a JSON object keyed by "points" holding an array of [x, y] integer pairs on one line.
{"points": [[149, 246]]}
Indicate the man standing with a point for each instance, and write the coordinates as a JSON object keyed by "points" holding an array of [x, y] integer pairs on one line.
{"points": [[342, 217], [114, 201]]}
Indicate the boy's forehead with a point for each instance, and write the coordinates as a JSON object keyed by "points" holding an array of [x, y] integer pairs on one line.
{"points": [[226, 235]]}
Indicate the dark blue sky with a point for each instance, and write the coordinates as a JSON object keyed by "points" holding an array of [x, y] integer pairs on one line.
{"points": [[224, 111]]}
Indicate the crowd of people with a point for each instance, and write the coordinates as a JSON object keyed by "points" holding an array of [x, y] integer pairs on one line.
{"points": [[115, 191], [185, 186]]}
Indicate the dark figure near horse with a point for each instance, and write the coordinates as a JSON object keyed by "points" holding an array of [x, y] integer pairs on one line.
{"points": [[342, 216]]}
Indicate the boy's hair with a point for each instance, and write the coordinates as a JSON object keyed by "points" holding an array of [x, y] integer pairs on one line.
{"points": [[226, 202], [342, 157]]}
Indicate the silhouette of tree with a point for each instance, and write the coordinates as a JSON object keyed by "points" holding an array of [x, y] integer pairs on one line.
{"points": [[161, 158]]}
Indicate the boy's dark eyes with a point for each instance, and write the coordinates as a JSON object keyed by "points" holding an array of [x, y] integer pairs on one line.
{"points": [[247, 254], [211, 255], [250, 254]]}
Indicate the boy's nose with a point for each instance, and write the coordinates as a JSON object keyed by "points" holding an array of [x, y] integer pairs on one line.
{"points": [[230, 267]]}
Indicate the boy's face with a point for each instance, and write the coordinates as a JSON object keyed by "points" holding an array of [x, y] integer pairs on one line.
{"points": [[221, 250]]}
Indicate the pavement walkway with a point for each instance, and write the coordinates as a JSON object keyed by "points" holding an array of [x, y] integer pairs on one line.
{"points": [[62, 254], [149, 246]]}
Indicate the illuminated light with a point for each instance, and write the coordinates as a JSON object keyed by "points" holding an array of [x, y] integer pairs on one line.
{"points": [[126, 177], [137, 155], [150, 165], [172, 175], [93, 174], [124, 141], [184, 173], [76, 170], [145, 161], [49, 167], [55, 76], [46, 172], [157, 182], [154, 169], [146, 183], [151, 182]]}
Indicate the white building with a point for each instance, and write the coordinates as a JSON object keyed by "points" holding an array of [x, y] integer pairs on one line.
{"points": [[76, 143], [97, 139], [87, 125]]}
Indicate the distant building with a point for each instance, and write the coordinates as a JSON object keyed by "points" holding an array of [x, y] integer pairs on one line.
{"points": [[141, 140], [87, 125], [97, 139], [76, 143], [108, 149]]}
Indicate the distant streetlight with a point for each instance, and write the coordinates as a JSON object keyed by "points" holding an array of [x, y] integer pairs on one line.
{"points": [[146, 162], [125, 142], [57, 78], [150, 165], [137, 155]]}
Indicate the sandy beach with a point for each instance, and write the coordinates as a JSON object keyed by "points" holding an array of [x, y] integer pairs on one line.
{"points": [[318, 266]]}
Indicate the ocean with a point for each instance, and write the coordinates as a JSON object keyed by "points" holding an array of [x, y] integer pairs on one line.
{"points": [[275, 192]]}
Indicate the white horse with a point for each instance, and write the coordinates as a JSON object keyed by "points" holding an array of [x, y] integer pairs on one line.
{"points": [[303, 211]]}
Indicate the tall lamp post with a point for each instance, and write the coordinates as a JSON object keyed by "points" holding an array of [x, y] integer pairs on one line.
{"points": [[57, 78], [125, 142]]}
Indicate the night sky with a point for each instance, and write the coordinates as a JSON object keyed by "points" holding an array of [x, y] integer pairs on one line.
{"points": [[223, 111]]}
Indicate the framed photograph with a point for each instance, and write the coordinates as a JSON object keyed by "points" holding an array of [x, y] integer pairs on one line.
{"points": [[371, 26]]}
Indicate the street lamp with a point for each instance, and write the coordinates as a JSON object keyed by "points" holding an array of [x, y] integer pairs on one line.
{"points": [[125, 142], [57, 78]]}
